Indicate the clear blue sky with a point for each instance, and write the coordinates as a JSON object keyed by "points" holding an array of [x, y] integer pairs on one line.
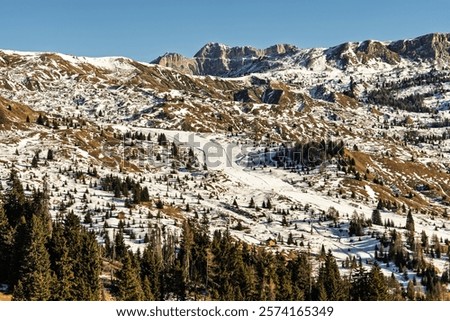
{"points": [[145, 29]]}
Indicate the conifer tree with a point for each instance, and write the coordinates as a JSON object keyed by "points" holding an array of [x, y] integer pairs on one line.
{"points": [[187, 240], [396, 250], [6, 246], [50, 155], [15, 202], [173, 280], [39, 207], [290, 239], [36, 278], [410, 230], [323, 253], [410, 291], [152, 265], [120, 249], [376, 217], [145, 196], [87, 268], [146, 289], [35, 161], [301, 270], [252, 203], [83, 251], [137, 195], [377, 289], [409, 222], [20, 242], [330, 280], [359, 284], [284, 282], [128, 282], [62, 265], [72, 233]]}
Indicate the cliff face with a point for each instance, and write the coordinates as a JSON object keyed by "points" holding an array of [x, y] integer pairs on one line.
{"points": [[374, 49], [220, 60], [178, 62], [431, 46]]}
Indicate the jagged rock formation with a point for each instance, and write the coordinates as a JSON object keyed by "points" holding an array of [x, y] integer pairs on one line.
{"points": [[220, 60], [271, 96], [374, 49], [431, 46], [178, 62]]}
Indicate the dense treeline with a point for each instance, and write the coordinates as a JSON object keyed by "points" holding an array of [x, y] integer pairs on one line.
{"points": [[386, 93], [310, 154], [414, 137], [41, 259], [125, 187], [412, 103], [45, 259], [197, 267], [433, 77]]}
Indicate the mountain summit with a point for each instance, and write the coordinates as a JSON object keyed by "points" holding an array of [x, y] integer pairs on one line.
{"points": [[221, 60], [217, 59]]}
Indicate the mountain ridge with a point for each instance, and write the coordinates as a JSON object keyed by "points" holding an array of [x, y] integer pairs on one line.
{"points": [[217, 59], [327, 135]]}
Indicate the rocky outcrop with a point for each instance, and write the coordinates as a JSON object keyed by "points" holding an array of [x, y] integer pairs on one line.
{"points": [[178, 62], [434, 46], [342, 55], [242, 96], [271, 96], [220, 60], [427, 47], [370, 49], [353, 53]]}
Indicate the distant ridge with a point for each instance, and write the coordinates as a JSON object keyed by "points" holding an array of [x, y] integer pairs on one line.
{"points": [[217, 59]]}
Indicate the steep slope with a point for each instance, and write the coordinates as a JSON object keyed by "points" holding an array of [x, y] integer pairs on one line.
{"points": [[435, 46]]}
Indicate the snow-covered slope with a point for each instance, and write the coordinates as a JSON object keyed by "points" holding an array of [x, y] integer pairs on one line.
{"points": [[323, 135]]}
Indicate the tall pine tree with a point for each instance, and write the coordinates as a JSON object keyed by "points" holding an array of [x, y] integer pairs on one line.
{"points": [[62, 265], [128, 282], [36, 277], [6, 246]]}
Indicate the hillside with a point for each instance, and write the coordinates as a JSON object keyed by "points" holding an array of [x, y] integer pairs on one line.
{"points": [[326, 136]]}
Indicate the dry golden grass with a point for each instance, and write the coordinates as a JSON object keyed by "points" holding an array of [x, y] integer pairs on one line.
{"points": [[15, 112], [376, 112], [405, 175], [288, 97], [345, 100], [173, 212], [5, 297]]}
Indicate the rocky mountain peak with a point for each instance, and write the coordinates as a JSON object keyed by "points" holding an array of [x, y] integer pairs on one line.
{"points": [[370, 49], [211, 50], [221, 60], [214, 50], [217, 59], [281, 49], [178, 62], [430, 46]]}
